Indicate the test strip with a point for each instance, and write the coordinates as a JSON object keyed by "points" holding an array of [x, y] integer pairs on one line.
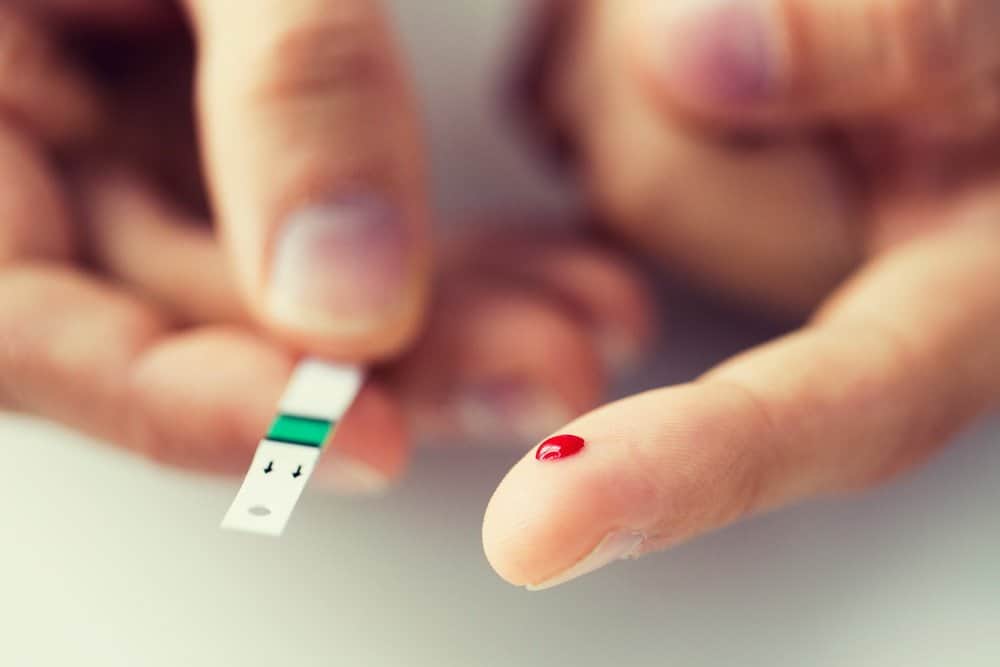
{"points": [[317, 397]]}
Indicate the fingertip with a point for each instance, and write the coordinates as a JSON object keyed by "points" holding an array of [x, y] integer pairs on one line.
{"points": [[653, 469], [548, 519]]}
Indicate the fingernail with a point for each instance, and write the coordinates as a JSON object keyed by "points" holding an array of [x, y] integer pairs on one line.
{"points": [[343, 475], [505, 409], [619, 545], [339, 265], [717, 52]]}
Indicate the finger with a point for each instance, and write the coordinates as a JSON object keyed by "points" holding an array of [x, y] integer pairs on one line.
{"points": [[315, 165], [762, 60], [40, 88], [600, 287], [898, 361], [498, 363], [140, 240], [34, 220], [774, 225], [111, 365], [68, 344]]}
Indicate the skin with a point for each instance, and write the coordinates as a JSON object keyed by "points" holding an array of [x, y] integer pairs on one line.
{"points": [[125, 309], [852, 179], [892, 253]]}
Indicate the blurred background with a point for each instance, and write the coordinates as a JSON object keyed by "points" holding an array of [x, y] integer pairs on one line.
{"points": [[110, 561]]}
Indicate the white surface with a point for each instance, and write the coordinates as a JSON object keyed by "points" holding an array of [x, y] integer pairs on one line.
{"points": [[277, 491], [321, 390], [107, 561]]}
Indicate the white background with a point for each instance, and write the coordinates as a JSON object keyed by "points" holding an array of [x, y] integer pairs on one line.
{"points": [[108, 561]]}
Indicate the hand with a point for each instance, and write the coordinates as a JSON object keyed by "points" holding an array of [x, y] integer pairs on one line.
{"points": [[777, 152], [120, 316]]}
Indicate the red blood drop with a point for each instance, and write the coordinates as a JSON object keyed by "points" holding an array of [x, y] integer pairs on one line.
{"points": [[559, 447]]}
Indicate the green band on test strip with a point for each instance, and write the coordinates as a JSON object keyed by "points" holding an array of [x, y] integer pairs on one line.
{"points": [[299, 430]]}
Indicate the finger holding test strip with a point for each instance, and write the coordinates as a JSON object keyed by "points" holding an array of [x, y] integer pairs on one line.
{"points": [[318, 183], [315, 171]]}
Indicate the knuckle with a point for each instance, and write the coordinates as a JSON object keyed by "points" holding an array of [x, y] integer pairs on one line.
{"points": [[340, 57]]}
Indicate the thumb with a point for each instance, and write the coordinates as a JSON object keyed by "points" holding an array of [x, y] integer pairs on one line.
{"points": [[760, 60], [896, 363], [315, 167]]}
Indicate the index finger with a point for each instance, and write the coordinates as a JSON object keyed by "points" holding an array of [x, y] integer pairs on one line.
{"points": [[897, 362]]}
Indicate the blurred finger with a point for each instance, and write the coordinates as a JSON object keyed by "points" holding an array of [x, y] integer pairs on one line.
{"points": [[68, 344], [764, 60], [109, 364], [498, 363], [315, 164], [39, 87], [34, 219], [602, 288], [897, 362], [773, 224], [140, 240]]}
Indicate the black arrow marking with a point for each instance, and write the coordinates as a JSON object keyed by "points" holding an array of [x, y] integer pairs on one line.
{"points": [[298, 472], [269, 468]]}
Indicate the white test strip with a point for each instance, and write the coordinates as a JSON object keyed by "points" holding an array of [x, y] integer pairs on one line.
{"points": [[316, 398]]}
